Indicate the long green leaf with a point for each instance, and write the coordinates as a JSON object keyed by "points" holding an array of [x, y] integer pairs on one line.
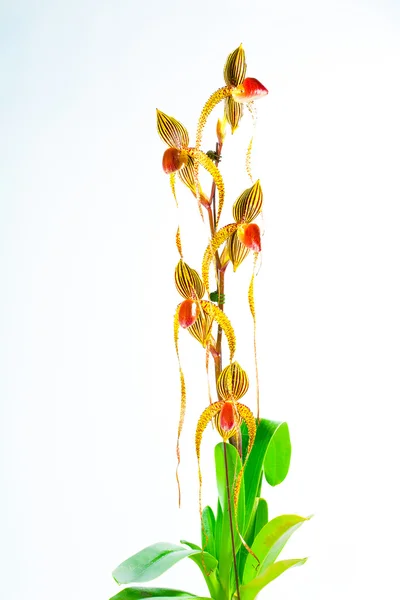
{"points": [[254, 467], [269, 543], [137, 593], [260, 519], [225, 557], [278, 453], [251, 589], [154, 560], [208, 530]]}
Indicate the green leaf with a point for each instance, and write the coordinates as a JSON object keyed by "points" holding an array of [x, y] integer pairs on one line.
{"points": [[278, 453], [261, 516], [251, 589], [269, 543], [225, 559], [208, 530], [137, 593], [190, 544], [154, 560], [253, 471], [218, 529]]}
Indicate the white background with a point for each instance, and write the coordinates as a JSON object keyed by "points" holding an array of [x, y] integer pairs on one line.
{"points": [[88, 376]]}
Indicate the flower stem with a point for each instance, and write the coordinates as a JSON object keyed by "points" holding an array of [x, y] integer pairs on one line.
{"points": [[228, 491]]}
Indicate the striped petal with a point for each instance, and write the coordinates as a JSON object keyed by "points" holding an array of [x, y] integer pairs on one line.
{"points": [[233, 112], [235, 67], [211, 103], [201, 328], [233, 382], [206, 416], [237, 252], [251, 425], [172, 179], [219, 238], [249, 89], [178, 242], [171, 131], [220, 317], [249, 204], [188, 282], [183, 399], [186, 175], [173, 160], [249, 235], [208, 164]]}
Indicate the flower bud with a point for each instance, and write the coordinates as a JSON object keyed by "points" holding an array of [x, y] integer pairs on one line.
{"points": [[221, 130], [250, 89], [249, 235], [188, 313], [173, 160], [235, 67]]}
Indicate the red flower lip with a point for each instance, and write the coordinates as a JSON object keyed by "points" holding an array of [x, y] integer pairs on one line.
{"points": [[188, 313], [173, 160], [249, 89], [249, 235]]}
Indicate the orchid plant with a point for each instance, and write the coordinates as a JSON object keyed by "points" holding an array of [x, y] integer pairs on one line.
{"points": [[239, 545]]}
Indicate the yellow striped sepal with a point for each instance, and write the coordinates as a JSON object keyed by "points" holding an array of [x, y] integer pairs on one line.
{"points": [[236, 251], [233, 112], [201, 328], [186, 175], [171, 131], [249, 204], [235, 67], [233, 382], [188, 282]]}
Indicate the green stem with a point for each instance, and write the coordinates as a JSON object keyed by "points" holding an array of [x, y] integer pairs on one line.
{"points": [[228, 491]]}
